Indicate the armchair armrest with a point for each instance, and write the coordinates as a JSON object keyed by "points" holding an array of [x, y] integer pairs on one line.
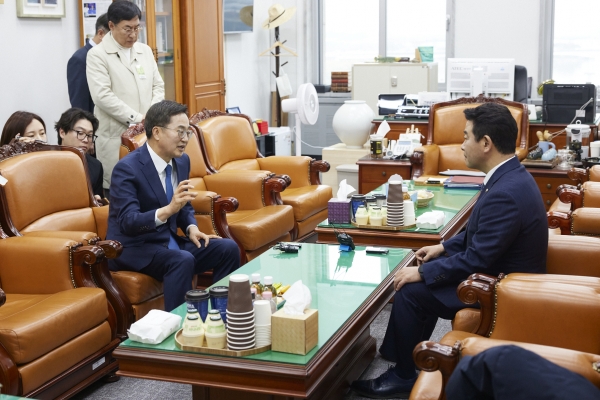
{"points": [[521, 153], [591, 194], [248, 187], [203, 202], [560, 220], [586, 221], [298, 168], [77, 236], [431, 356], [479, 288], [579, 175], [101, 218], [317, 166], [570, 194], [46, 265], [425, 160]]}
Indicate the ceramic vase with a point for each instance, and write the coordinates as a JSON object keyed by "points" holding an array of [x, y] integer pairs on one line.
{"points": [[352, 123]]}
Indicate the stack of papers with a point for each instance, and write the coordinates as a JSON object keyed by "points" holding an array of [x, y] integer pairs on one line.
{"points": [[464, 182]]}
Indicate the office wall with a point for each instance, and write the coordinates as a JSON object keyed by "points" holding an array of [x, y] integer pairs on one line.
{"points": [[499, 29], [33, 66], [249, 77]]}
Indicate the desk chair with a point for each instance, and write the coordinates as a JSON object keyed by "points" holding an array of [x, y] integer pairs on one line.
{"points": [[445, 135]]}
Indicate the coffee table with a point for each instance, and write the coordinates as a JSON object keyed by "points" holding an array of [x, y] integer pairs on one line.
{"points": [[457, 205], [348, 289]]}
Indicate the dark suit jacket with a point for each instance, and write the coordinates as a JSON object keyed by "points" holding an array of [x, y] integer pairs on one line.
{"points": [[507, 232], [96, 172], [135, 194], [79, 92]]}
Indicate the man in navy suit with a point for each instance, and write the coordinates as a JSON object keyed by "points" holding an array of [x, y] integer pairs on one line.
{"points": [[507, 232], [79, 92], [150, 199]]}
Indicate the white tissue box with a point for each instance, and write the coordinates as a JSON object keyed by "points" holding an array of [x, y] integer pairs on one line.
{"points": [[339, 211], [431, 220], [296, 334]]}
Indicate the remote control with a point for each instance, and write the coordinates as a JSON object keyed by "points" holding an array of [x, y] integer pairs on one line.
{"points": [[376, 250]]}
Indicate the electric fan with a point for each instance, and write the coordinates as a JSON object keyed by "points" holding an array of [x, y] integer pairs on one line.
{"points": [[306, 108]]}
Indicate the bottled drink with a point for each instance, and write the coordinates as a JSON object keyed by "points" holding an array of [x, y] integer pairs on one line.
{"points": [[269, 296], [257, 285], [268, 286]]}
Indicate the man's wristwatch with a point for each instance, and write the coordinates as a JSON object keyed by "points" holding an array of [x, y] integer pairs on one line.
{"points": [[420, 269]]}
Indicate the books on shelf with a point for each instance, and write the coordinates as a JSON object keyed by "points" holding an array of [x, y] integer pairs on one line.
{"points": [[339, 81]]}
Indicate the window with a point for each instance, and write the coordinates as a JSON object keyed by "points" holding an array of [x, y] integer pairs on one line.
{"points": [[354, 31], [576, 50]]}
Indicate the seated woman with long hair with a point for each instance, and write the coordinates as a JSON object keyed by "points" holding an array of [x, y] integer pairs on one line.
{"points": [[23, 126]]}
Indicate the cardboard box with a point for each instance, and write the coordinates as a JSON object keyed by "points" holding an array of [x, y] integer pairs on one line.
{"points": [[296, 334], [339, 211]]}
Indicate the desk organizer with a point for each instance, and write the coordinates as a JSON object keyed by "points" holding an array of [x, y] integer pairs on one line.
{"points": [[219, 352], [384, 227]]}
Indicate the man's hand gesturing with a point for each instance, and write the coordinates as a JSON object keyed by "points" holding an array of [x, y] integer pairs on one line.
{"points": [[180, 198]]}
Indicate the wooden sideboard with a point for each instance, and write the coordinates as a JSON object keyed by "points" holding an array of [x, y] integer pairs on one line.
{"points": [[374, 172], [399, 126]]}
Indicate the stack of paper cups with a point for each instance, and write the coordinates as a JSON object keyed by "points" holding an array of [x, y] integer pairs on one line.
{"points": [[262, 311], [409, 213]]}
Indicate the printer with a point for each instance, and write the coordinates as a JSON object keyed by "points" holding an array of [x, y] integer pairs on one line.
{"points": [[562, 103]]}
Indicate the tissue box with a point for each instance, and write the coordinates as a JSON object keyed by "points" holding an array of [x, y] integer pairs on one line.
{"points": [[339, 211], [296, 334]]}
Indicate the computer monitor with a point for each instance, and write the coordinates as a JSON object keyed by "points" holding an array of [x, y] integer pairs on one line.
{"points": [[492, 77]]}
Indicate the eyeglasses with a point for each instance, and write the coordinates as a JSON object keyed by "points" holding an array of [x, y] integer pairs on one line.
{"points": [[182, 133], [129, 30], [83, 135]]}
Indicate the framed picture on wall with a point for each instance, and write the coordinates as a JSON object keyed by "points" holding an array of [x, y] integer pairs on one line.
{"points": [[41, 8]]}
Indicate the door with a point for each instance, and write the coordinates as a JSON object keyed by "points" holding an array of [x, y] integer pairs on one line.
{"points": [[202, 55]]}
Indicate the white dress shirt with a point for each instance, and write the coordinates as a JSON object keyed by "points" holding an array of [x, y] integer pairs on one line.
{"points": [[488, 176]]}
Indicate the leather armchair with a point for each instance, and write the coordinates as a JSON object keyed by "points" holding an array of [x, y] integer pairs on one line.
{"points": [[247, 215], [583, 179], [515, 311], [579, 212], [48, 194], [56, 335], [445, 135], [218, 131]]}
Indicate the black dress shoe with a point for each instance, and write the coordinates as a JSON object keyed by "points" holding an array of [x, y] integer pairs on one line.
{"points": [[387, 386]]}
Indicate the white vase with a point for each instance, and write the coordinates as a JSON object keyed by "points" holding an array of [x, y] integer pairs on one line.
{"points": [[352, 123]]}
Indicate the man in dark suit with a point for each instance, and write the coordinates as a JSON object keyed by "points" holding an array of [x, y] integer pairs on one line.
{"points": [[77, 127], [150, 198], [79, 92], [507, 232]]}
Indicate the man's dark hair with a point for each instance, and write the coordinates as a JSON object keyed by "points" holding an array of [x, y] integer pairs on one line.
{"points": [[496, 121], [123, 10], [102, 23], [69, 118], [160, 114]]}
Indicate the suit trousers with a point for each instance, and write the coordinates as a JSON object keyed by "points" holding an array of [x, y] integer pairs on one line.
{"points": [[415, 312], [513, 373], [176, 268]]}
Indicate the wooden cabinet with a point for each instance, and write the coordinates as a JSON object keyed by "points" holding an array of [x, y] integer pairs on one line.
{"points": [[373, 173], [202, 58], [548, 180], [186, 37]]}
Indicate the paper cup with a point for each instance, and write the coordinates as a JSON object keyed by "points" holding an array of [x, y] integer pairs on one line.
{"points": [[262, 312]]}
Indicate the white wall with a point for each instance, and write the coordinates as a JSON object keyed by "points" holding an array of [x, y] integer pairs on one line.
{"points": [[33, 66], [499, 29]]}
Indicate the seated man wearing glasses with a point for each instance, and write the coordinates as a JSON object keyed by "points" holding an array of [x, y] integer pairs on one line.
{"points": [[76, 127], [150, 199]]}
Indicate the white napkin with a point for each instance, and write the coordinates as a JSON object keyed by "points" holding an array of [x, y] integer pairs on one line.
{"points": [[344, 190], [154, 327], [383, 129], [297, 299], [431, 220]]}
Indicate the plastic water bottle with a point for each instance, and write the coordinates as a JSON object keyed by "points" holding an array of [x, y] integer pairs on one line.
{"points": [[269, 296]]}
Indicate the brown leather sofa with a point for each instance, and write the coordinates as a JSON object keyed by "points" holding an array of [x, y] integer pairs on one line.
{"points": [[248, 215], [445, 135], [579, 209], [48, 194], [559, 320], [218, 133], [56, 335]]}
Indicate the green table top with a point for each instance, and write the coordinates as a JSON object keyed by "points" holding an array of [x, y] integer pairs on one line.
{"points": [[449, 201], [339, 284]]}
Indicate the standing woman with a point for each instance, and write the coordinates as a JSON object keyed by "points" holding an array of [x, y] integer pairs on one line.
{"points": [[24, 126]]}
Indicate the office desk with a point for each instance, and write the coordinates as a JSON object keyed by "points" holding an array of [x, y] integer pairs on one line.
{"points": [[399, 126], [348, 289], [457, 205]]}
